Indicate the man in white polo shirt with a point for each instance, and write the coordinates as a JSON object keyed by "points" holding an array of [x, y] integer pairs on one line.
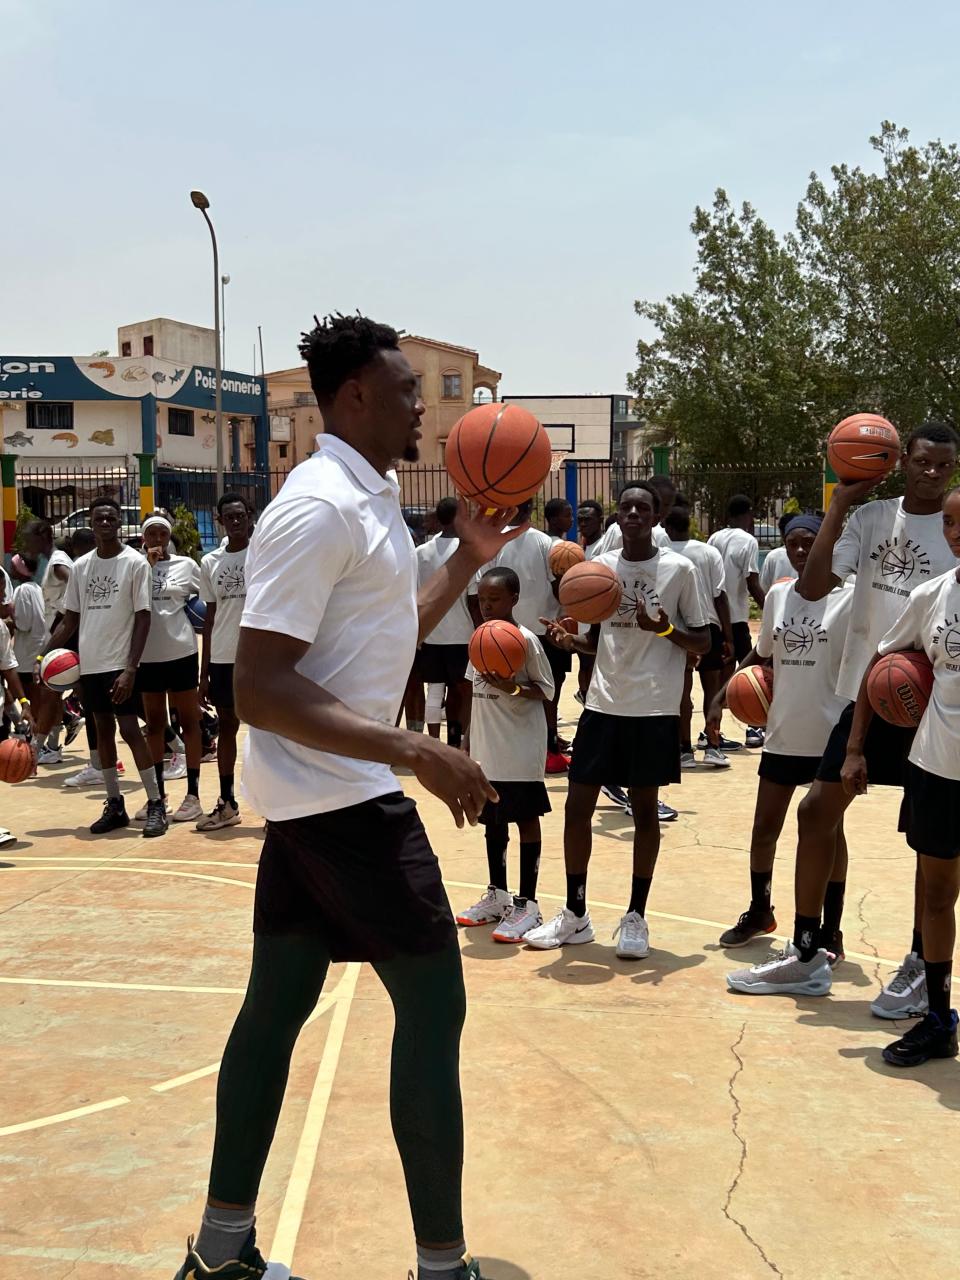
{"points": [[329, 631]]}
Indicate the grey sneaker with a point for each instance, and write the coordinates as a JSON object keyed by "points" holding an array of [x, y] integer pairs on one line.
{"points": [[688, 760], [905, 995], [785, 975], [714, 756]]}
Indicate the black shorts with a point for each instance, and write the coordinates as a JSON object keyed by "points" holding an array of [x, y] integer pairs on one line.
{"points": [[364, 879], [221, 684], [742, 639], [712, 659], [560, 661], [788, 771], [519, 802], [930, 813], [443, 663], [628, 751], [96, 695], [886, 749], [176, 676]]}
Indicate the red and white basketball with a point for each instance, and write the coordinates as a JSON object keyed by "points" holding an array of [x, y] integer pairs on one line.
{"points": [[750, 693], [60, 669]]}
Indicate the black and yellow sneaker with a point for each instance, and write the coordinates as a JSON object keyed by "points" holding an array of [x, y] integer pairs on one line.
{"points": [[249, 1266], [930, 1038]]}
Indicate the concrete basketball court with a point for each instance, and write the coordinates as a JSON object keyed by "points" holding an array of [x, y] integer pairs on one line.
{"points": [[623, 1120]]}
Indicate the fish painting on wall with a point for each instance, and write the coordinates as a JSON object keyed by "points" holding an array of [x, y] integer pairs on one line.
{"points": [[70, 437], [108, 367], [136, 373], [102, 437], [18, 440]]}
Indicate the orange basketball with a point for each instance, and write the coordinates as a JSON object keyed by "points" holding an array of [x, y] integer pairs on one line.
{"points": [[16, 760], [498, 649], [590, 592], [899, 687], [750, 693], [863, 447], [498, 454], [564, 555]]}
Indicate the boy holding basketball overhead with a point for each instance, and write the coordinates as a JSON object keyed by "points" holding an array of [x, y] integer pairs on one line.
{"points": [[629, 732], [893, 547], [508, 738]]}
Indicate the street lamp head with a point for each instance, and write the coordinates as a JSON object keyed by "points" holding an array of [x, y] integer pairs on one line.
{"points": [[199, 200], [224, 279]]}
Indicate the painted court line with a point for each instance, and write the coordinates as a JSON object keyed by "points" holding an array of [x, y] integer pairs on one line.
{"points": [[61, 1116], [295, 1199], [107, 862], [139, 871], [120, 986]]}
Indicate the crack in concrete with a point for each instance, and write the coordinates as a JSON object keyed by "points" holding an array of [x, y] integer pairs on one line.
{"points": [[76, 1262], [735, 1130], [865, 940]]}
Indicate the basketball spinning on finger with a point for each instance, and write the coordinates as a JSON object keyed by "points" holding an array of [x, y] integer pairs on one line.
{"points": [[590, 592], [864, 446], [498, 455]]}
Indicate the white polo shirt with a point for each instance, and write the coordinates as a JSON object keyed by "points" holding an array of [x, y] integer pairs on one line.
{"points": [[332, 563]]}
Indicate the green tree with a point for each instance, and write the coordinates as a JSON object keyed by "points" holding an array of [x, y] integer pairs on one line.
{"points": [[185, 532]]}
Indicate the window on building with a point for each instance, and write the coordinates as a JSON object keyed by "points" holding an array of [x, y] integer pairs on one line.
{"points": [[49, 416], [148, 345], [419, 378], [304, 398], [126, 349], [283, 451], [622, 406], [179, 421], [452, 386]]}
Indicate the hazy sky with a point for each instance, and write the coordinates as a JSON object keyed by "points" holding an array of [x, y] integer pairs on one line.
{"points": [[506, 176]]}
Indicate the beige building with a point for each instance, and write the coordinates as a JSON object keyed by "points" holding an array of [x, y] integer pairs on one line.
{"points": [[452, 379]]}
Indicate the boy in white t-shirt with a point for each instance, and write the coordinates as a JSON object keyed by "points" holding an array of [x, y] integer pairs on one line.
{"points": [[893, 547], [629, 732], [441, 661], [508, 738], [802, 642], [223, 588], [10, 686], [930, 817], [741, 575]]}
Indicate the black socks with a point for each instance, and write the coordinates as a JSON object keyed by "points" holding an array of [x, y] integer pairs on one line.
{"points": [[529, 868], [454, 734], [193, 782], [497, 841], [938, 987], [833, 909], [760, 882], [638, 894], [806, 935], [577, 893], [226, 787], [916, 946]]}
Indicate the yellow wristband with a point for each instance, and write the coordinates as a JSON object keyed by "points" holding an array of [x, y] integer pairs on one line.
{"points": [[668, 631]]}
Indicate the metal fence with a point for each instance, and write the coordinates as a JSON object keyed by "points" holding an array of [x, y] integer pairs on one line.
{"points": [[64, 494]]}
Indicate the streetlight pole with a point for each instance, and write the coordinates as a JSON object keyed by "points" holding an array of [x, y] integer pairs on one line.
{"points": [[200, 201], [224, 281]]}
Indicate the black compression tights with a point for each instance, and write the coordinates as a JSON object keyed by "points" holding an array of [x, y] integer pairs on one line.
{"points": [[429, 1005]]}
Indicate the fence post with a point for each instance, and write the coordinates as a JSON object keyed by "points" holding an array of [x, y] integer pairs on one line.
{"points": [[829, 483], [8, 476], [661, 459], [570, 492], [147, 502]]}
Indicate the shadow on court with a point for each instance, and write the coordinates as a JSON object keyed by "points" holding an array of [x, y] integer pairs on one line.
{"points": [[941, 1077], [498, 1269], [591, 965]]}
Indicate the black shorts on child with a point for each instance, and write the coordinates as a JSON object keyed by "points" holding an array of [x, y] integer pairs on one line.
{"points": [[519, 802], [628, 751], [930, 813]]}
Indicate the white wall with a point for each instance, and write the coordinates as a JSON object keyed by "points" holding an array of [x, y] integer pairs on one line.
{"points": [[172, 340], [198, 450], [590, 415], [118, 420]]}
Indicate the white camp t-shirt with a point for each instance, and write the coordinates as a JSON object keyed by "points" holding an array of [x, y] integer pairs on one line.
{"points": [[709, 566], [638, 673], [776, 566], [8, 659], [612, 540], [508, 735], [223, 582], [31, 624], [456, 625], [529, 557], [806, 639], [107, 592], [931, 621], [171, 632], [741, 557], [892, 553], [332, 563], [52, 587]]}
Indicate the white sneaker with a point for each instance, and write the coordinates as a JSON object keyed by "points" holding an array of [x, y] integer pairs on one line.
{"points": [[7, 837], [786, 974], [905, 995], [190, 810], [209, 757], [519, 918], [564, 929], [688, 760], [87, 777], [633, 937], [714, 756], [176, 767], [50, 755], [175, 746], [491, 907], [141, 814]]}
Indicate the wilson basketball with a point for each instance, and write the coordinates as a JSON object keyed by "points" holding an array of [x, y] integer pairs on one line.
{"points": [[498, 454], [750, 693], [563, 556], [899, 687], [590, 592], [60, 669], [498, 648], [863, 447], [16, 760]]}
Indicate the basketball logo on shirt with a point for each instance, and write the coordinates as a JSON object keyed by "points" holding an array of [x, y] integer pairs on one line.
{"points": [[947, 637], [798, 637], [898, 563], [100, 592], [159, 582], [637, 596], [232, 583]]}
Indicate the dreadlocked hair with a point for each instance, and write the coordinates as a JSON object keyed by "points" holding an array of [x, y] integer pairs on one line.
{"points": [[339, 347]]}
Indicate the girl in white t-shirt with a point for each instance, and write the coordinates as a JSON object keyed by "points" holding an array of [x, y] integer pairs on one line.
{"points": [[803, 642], [930, 816], [508, 739]]}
